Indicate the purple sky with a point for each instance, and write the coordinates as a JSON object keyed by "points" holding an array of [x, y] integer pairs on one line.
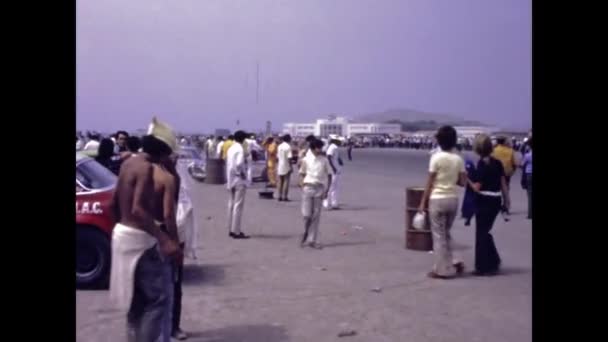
{"points": [[193, 62]]}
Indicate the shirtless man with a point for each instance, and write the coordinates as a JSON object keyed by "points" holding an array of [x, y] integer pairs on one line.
{"points": [[140, 247], [166, 188]]}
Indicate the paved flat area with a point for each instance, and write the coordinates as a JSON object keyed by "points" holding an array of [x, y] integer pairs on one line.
{"points": [[267, 289]]}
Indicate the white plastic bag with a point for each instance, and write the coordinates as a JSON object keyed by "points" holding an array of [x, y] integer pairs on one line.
{"points": [[419, 221]]}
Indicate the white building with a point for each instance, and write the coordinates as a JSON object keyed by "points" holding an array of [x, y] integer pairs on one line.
{"points": [[339, 126], [472, 131]]}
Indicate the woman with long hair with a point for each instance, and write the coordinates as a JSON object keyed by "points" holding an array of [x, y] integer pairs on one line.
{"points": [[492, 194]]}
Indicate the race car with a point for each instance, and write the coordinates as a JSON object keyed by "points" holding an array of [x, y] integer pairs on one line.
{"points": [[195, 163], [94, 223]]}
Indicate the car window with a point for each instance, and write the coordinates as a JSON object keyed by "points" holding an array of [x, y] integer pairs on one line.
{"points": [[93, 175]]}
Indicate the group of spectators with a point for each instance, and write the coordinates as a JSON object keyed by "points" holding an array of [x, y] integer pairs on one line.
{"points": [[487, 194], [110, 151]]}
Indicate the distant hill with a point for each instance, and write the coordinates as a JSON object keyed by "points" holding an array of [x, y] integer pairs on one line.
{"points": [[413, 116]]}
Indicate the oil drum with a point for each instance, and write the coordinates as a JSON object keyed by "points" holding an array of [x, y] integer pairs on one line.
{"points": [[418, 240], [216, 171]]}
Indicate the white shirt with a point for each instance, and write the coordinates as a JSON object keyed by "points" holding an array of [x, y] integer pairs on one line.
{"points": [[448, 166], [333, 151], [235, 166], [284, 154], [218, 149], [79, 145], [92, 145], [253, 145], [316, 169]]}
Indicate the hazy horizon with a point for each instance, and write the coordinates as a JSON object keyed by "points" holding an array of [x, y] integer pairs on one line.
{"points": [[193, 63]]}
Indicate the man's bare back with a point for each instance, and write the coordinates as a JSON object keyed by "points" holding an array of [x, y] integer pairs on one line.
{"points": [[135, 199], [165, 198]]}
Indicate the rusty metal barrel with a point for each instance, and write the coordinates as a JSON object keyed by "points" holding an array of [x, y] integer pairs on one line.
{"points": [[418, 240], [215, 171]]}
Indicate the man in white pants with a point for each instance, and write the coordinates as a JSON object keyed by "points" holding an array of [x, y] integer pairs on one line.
{"points": [[335, 161], [236, 176]]}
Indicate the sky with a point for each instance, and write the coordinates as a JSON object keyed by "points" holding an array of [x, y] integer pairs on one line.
{"points": [[193, 62]]}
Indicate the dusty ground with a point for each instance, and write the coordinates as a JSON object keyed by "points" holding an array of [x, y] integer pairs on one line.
{"points": [[267, 289]]}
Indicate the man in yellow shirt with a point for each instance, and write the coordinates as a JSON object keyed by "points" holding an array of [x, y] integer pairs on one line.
{"points": [[226, 146], [506, 155]]}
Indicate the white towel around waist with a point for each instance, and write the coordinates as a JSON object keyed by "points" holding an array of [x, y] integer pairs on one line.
{"points": [[491, 193], [128, 245]]}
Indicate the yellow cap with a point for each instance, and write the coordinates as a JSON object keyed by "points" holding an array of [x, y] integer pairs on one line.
{"points": [[164, 133]]}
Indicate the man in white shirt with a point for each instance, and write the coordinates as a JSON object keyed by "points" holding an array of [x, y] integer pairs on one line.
{"points": [[236, 176], [210, 147], [315, 176], [335, 161], [284, 168]]}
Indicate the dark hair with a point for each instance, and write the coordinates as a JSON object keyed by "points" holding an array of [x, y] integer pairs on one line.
{"points": [[310, 138], [133, 144], [286, 138], [317, 143], [501, 140], [123, 133], [154, 147], [231, 137], [446, 138], [239, 136], [106, 149]]}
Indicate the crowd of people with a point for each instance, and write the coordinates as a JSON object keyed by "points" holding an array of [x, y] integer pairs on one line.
{"points": [[148, 242]]}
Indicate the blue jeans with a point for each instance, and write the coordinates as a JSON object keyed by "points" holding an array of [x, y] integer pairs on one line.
{"points": [[151, 298]]}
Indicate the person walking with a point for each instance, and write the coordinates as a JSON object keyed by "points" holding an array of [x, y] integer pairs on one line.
{"points": [[236, 176], [350, 149], [506, 155], [210, 147], [446, 172], [527, 176], [315, 176], [335, 161], [491, 186], [284, 155]]}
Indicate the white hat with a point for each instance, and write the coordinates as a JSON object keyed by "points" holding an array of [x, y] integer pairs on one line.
{"points": [[164, 133]]}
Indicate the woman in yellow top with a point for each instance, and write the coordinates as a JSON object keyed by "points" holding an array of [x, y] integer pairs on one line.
{"points": [[272, 160]]}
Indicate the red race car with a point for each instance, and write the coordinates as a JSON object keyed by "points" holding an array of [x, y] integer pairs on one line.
{"points": [[94, 223]]}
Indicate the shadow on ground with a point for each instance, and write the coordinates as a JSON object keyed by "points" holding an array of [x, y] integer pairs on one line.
{"points": [[274, 237], [204, 275], [344, 244], [242, 333], [505, 271], [353, 208]]}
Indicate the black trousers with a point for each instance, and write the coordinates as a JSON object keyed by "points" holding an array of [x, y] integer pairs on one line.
{"points": [[486, 255], [350, 153], [177, 295]]}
